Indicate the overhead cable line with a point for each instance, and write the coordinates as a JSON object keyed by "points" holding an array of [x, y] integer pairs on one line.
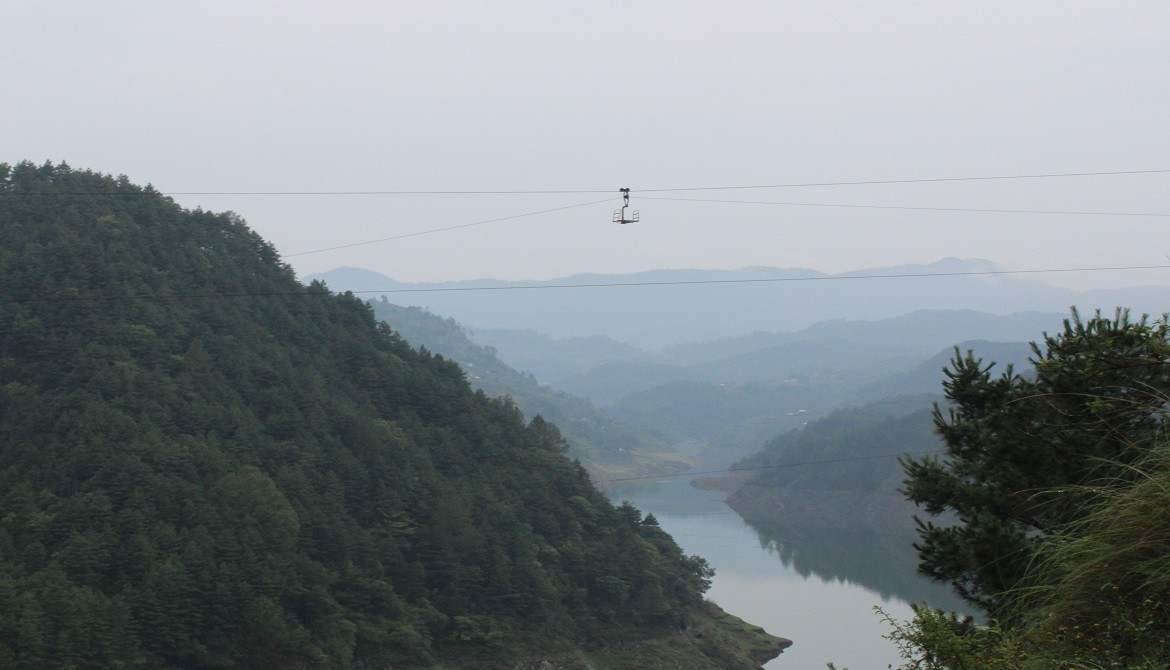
{"points": [[438, 192], [758, 468], [441, 192], [913, 209], [712, 200], [880, 182], [870, 182], [446, 228], [532, 287]]}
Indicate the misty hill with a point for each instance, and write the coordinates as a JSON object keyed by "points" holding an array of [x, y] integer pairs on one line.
{"points": [[723, 422], [852, 475], [731, 420], [840, 471], [872, 349], [734, 302], [617, 381], [872, 431], [553, 360], [725, 398], [606, 447], [208, 464], [927, 377], [917, 332], [613, 381]]}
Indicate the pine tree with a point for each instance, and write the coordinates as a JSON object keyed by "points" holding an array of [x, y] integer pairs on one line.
{"points": [[1017, 445]]}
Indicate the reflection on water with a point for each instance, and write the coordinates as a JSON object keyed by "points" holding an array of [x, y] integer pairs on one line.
{"points": [[884, 564], [815, 588]]}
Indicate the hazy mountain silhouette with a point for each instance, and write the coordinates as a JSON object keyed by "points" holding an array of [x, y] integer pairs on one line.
{"points": [[651, 315], [604, 446]]}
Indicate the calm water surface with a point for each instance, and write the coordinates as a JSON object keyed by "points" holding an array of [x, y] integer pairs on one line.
{"points": [[820, 592]]}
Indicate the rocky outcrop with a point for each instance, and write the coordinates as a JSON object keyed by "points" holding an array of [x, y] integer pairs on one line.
{"points": [[710, 640]]}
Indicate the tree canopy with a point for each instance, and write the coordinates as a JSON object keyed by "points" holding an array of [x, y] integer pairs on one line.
{"points": [[206, 464], [1019, 448]]}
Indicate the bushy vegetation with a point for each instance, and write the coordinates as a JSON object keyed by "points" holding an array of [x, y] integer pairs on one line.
{"points": [[1061, 486], [1094, 597], [204, 463]]}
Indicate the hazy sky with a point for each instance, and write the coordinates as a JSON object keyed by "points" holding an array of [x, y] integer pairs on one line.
{"points": [[377, 96]]}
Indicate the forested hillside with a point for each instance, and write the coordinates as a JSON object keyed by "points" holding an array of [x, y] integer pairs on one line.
{"points": [[206, 464], [846, 472]]}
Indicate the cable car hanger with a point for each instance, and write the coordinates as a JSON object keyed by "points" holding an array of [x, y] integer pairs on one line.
{"points": [[619, 215]]}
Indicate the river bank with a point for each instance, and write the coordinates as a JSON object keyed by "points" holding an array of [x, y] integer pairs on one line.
{"points": [[710, 639], [818, 587]]}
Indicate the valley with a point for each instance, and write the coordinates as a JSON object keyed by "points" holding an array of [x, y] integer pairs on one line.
{"points": [[795, 436]]}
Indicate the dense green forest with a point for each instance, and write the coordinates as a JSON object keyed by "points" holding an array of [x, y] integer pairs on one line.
{"points": [[206, 464]]}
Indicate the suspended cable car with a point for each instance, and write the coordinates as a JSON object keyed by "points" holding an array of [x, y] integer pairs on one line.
{"points": [[619, 215]]}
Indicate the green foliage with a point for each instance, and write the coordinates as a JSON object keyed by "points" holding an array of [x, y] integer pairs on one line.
{"points": [[207, 464], [250, 499], [934, 640], [1088, 552], [1093, 406], [1097, 593], [1094, 598]]}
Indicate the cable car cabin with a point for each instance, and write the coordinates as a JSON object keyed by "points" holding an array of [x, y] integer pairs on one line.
{"points": [[619, 215]]}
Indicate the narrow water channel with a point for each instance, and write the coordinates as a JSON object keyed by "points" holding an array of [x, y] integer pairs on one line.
{"points": [[820, 593]]}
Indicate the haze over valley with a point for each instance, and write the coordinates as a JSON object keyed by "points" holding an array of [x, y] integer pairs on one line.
{"points": [[715, 401], [588, 336], [840, 399]]}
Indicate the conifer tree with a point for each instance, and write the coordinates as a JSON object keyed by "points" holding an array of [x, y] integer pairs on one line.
{"points": [[1018, 446]]}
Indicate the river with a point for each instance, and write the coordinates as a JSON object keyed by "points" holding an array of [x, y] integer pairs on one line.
{"points": [[818, 589]]}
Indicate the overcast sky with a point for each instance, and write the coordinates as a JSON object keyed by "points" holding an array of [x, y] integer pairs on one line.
{"points": [[379, 96]]}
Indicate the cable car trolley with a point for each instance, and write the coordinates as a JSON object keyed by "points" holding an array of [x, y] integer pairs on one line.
{"points": [[619, 215]]}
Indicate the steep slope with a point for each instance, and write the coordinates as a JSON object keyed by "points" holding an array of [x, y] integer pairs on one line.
{"points": [[206, 464], [607, 448]]}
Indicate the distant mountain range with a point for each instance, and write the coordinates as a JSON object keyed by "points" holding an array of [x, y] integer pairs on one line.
{"points": [[721, 399], [656, 309], [773, 367], [865, 351], [717, 369]]}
